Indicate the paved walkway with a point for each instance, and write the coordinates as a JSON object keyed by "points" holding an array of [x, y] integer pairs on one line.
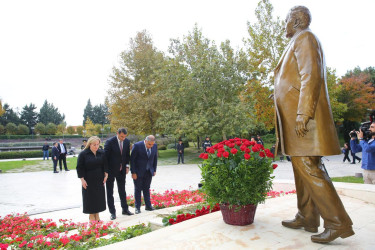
{"points": [[39, 192]]}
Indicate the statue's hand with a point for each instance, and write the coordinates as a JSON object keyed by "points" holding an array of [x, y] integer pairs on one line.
{"points": [[301, 123]]}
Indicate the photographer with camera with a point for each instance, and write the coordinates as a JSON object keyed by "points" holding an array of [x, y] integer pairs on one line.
{"points": [[366, 137]]}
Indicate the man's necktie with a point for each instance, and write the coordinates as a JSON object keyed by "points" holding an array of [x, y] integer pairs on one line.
{"points": [[148, 153], [121, 154]]}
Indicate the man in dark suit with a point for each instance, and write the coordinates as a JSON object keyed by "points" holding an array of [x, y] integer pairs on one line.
{"points": [[180, 152], [55, 156], [143, 162], [117, 150], [63, 150], [306, 131]]}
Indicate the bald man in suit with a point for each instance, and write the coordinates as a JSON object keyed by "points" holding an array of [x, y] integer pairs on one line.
{"points": [[306, 131]]}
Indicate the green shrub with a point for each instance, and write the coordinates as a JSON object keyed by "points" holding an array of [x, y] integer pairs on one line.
{"points": [[269, 138], [162, 147], [22, 154], [171, 146]]}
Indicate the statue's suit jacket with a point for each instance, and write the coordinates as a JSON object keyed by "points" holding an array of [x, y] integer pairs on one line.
{"points": [[301, 89]]}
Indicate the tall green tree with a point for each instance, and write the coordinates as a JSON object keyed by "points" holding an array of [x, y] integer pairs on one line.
{"points": [[100, 114], [135, 87], [88, 112], [28, 116], [203, 84], [9, 116], [265, 44], [49, 113], [2, 111]]}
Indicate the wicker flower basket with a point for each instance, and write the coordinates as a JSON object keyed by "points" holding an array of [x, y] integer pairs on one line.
{"points": [[238, 215]]}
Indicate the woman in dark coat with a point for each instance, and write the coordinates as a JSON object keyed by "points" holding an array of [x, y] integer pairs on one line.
{"points": [[92, 169]]}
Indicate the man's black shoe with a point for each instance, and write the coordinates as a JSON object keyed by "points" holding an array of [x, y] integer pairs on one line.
{"points": [[126, 212], [55, 172], [137, 211], [359, 160], [67, 170], [150, 208], [352, 163], [113, 216]]}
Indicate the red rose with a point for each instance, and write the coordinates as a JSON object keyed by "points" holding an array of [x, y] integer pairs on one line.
{"points": [[274, 166], [243, 148], [221, 150], [232, 140], [211, 150], [171, 221], [227, 143], [226, 154], [201, 155], [231, 145], [238, 143], [252, 143], [255, 149], [234, 151], [219, 154], [261, 154], [247, 156], [247, 150], [205, 156]]}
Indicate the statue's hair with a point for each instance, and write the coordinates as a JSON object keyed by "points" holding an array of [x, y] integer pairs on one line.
{"points": [[303, 13]]}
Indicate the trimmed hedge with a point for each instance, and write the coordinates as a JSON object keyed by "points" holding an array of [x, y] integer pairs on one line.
{"points": [[162, 147], [8, 137], [22, 154]]}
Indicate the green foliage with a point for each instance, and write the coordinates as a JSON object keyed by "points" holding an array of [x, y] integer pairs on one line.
{"points": [[70, 130], [51, 128], [2, 129], [21, 154], [202, 82], [48, 113], [11, 129], [40, 128], [162, 147], [29, 116], [236, 180], [22, 130], [269, 138], [171, 146], [9, 116], [80, 130], [265, 44], [87, 112], [135, 96]]}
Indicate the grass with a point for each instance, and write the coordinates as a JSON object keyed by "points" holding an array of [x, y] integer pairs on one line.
{"points": [[33, 165], [349, 179]]}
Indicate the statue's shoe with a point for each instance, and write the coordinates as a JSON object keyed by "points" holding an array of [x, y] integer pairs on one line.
{"points": [[297, 223], [331, 234]]}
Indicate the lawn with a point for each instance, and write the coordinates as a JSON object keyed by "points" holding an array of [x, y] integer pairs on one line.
{"points": [[166, 157], [350, 179]]}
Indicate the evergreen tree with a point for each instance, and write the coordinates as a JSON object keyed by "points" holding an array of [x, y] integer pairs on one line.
{"points": [[29, 116], [9, 116], [49, 114], [88, 112]]}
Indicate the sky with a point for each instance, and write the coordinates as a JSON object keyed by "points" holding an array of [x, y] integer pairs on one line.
{"points": [[64, 51]]}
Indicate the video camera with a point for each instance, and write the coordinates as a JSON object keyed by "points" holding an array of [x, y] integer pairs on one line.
{"points": [[365, 128]]}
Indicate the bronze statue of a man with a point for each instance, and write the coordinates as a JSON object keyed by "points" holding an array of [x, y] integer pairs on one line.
{"points": [[306, 131]]}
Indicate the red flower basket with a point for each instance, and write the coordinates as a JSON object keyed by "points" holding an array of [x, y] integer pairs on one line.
{"points": [[238, 215]]}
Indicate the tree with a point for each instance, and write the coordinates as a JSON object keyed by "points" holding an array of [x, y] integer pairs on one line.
{"points": [[48, 113], [80, 130], [265, 44], [358, 96], [22, 129], [2, 129], [133, 97], [51, 128], [338, 108], [88, 112], [40, 128], [107, 128], [357, 71], [61, 129], [2, 111], [203, 83], [70, 130], [89, 127], [29, 116], [98, 129], [9, 116], [11, 128]]}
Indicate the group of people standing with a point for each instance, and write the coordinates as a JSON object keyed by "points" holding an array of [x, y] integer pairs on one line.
{"points": [[346, 150], [59, 152], [96, 167]]}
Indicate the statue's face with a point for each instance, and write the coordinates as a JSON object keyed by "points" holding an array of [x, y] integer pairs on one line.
{"points": [[289, 23]]}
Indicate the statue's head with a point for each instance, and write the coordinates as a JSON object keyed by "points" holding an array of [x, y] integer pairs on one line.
{"points": [[298, 18]]}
